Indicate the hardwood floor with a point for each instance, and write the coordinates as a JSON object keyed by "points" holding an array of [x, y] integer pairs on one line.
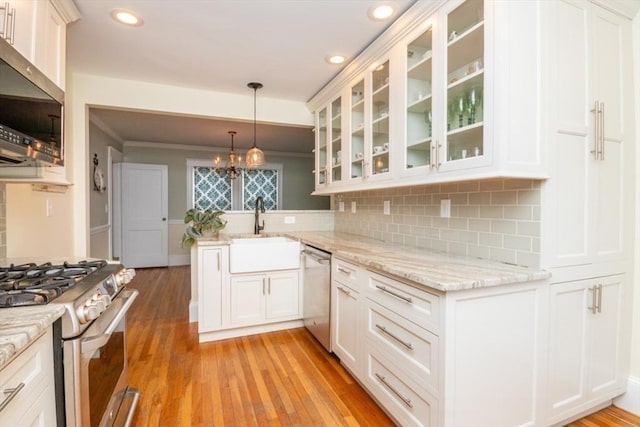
{"points": [[280, 379], [277, 379]]}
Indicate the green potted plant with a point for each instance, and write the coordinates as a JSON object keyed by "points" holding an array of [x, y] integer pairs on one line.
{"points": [[202, 223]]}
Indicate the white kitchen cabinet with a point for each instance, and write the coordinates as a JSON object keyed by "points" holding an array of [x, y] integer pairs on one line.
{"points": [[588, 205], [38, 32], [264, 298], [446, 94], [29, 378], [328, 145], [586, 348], [212, 267], [469, 357]]}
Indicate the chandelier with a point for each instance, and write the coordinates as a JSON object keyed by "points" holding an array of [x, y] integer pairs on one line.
{"points": [[233, 166]]}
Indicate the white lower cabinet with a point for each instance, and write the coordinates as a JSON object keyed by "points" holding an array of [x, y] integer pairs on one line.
{"points": [[586, 357], [211, 267], [29, 377], [465, 358], [264, 298]]}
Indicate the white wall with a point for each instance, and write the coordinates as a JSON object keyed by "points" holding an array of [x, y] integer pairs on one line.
{"points": [[85, 91]]}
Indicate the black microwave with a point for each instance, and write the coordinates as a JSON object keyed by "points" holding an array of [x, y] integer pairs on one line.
{"points": [[31, 113]]}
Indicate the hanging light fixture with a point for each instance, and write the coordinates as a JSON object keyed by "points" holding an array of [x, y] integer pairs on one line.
{"points": [[233, 167], [255, 156]]}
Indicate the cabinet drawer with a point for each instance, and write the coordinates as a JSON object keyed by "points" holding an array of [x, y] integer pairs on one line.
{"points": [[410, 347], [398, 394], [34, 369], [347, 273], [413, 304]]}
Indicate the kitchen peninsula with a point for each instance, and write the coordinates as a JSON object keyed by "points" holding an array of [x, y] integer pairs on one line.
{"points": [[413, 325]]}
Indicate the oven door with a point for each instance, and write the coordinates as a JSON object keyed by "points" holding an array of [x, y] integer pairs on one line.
{"points": [[95, 370]]}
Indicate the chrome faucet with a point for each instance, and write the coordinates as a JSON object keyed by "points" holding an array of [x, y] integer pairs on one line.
{"points": [[256, 225]]}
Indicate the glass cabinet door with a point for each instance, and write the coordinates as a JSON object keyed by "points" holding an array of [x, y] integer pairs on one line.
{"points": [[357, 154], [465, 81], [380, 119], [336, 140], [419, 101], [321, 147]]}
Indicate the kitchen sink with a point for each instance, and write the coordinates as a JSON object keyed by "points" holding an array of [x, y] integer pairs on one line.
{"points": [[249, 254]]}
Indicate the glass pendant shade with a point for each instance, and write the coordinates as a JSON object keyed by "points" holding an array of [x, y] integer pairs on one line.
{"points": [[255, 157]]}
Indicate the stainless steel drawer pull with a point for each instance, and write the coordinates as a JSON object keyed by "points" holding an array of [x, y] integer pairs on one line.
{"points": [[347, 292], [10, 394], [594, 299], [344, 270], [383, 380], [599, 303], [397, 295], [596, 123], [404, 343]]}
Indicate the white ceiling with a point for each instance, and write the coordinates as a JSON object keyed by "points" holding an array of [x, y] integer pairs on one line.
{"points": [[220, 45]]}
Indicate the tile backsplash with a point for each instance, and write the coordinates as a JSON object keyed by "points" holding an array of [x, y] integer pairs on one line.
{"points": [[496, 219], [3, 221]]}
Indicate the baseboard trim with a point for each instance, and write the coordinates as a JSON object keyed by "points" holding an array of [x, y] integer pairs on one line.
{"points": [[193, 311], [249, 330], [630, 401], [175, 260]]}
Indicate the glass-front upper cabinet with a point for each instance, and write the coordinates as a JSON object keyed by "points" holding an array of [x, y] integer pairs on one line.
{"points": [[321, 147], [419, 101], [336, 140], [380, 119], [465, 82], [356, 152]]}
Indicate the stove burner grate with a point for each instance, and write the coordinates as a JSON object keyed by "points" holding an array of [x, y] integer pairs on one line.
{"points": [[32, 284]]}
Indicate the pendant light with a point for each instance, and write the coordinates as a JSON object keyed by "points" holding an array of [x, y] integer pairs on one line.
{"points": [[255, 156]]}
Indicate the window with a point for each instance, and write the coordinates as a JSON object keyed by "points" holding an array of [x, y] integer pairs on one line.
{"points": [[209, 189]]}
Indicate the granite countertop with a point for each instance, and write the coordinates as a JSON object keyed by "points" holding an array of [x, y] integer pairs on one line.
{"points": [[20, 326], [422, 266]]}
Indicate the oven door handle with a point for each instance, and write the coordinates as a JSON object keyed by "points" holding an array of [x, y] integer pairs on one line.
{"points": [[90, 344]]}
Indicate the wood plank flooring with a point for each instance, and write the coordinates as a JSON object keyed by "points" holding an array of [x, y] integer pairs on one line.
{"points": [[277, 379]]}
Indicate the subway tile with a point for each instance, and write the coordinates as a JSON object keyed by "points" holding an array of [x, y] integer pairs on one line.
{"points": [[468, 211], [483, 198], [477, 251], [439, 245], [418, 189], [535, 213], [434, 233], [535, 245], [490, 239], [517, 242], [410, 240], [425, 199], [457, 248], [440, 222], [411, 200], [451, 235], [418, 210], [528, 259], [425, 221], [468, 186], [504, 226], [404, 229], [458, 223], [410, 220], [529, 228], [449, 187], [404, 190], [491, 211], [529, 197], [432, 189], [459, 198], [491, 185], [516, 184], [480, 224], [418, 231], [503, 255], [504, 197], [518, 212]]}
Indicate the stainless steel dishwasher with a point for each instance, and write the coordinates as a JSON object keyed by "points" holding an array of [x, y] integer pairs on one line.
{"points": [[317, 294]]}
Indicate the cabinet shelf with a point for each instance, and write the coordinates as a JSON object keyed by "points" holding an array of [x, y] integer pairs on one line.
{"points": [[358, 104], [464, 129], [420, 105], [380, 89], [381, 153], [420, 144], [421, 70], [466, 47], [359, 131], [467, 81]]}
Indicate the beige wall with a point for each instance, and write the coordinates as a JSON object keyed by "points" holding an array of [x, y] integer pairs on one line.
{"points": [[30, 232], [635, 343], [491, 219], [3, 222], [99, 142], [99, 243]]}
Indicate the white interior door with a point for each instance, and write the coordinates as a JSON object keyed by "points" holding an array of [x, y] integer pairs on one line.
{"points": [[144, 215]]}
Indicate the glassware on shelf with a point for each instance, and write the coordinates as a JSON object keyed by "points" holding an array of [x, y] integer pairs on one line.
{"points": [[428, 118]]}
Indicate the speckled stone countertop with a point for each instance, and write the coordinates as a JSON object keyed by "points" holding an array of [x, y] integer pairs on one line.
{"points": [[435, 270], [20, 326]]}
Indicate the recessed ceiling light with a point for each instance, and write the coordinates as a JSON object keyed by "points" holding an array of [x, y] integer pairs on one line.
{"points": [[381, 11], [335, 59], [126, 17]]}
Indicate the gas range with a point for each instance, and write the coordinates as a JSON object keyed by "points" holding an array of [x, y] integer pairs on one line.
{"points": [[86, 288]]}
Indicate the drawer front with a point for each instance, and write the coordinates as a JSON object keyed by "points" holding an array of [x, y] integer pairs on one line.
{"points": [[398, 394], [410, 347], [34, 369], [347, 273], [413, 304]]}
